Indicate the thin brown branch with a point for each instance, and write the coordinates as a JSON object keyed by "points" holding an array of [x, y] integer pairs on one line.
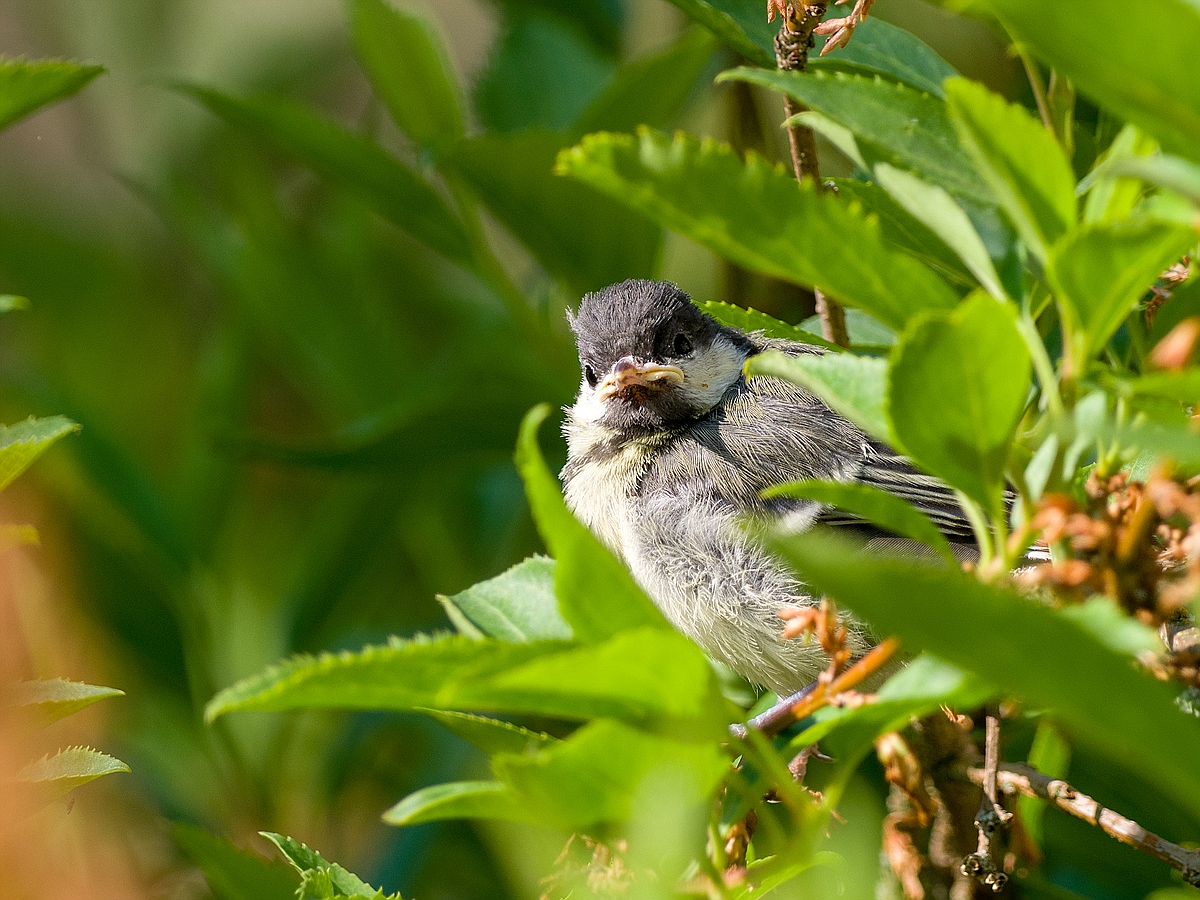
{"points": [[802, 143], [792, 45], [992, 817], [833, 319], [807, 701], [991, 756], [1017, 778]]}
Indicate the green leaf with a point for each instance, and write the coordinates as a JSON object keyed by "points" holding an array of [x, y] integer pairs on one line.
{"points": [[1168, 172], [957, 388], [518, 605], [1166, 206], [1112, 627], [1100, 272], [10, 302], [874, 505], [756, 215], [490, 735], [753, 320], [903, 231], [595, 775], [650, 91], [26, 86], [337, 881], [1020, 646], [24, 442], [421, 672], [53, 699], [1183, 386], [853, 386], [600, 21], [648, 674], [513, 94], [514, 175], [300, 855], [460, 800], [741, 25], [1179, 443], [51, 777], [596, 594], [839, 135], [232, 873], [911, 127], [880, 48], [1021, 161], [1163, 99], [407, 65], [461, 623], [391, 188], [936, 210], [1111, 199]]}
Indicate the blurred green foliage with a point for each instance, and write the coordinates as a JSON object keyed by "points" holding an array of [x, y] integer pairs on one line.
{"points": [[301, 343], [24, 88]]}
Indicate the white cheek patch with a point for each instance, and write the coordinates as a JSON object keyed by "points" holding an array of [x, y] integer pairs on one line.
{"points": [[708, 375], [588, 406]]}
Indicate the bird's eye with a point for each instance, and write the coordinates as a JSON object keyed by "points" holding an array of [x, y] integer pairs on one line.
{"points": [[590, 374], [682, 345]]}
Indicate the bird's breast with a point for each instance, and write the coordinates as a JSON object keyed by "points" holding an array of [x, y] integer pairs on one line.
{"points": [[601, 479]]}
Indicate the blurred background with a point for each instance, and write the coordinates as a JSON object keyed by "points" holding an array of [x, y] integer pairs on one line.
{"points": [[297, 420]]}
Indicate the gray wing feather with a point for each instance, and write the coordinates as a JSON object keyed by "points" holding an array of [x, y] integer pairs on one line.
{"points": [[771, 431]]}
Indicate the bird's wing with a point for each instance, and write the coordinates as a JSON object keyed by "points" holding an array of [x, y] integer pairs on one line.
{"points": [[884, 468], [773, 432]]}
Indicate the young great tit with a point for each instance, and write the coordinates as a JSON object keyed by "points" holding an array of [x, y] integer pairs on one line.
{"points": [[669, 448]]}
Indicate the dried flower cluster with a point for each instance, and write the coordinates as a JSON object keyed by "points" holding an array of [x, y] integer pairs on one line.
{"points": [[823, 624], [1168, 281], [839, 31], [1138, 543], [587, 861]]}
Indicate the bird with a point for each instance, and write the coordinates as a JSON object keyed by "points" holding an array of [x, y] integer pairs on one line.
{"points": [[669, 448]]}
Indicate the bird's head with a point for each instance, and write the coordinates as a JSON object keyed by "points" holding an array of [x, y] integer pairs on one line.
{"points": [[650, 358]]}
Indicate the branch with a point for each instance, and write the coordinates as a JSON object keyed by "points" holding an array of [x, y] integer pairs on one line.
{"points": [[991, 816], [1017, 778], [808, 700], [792, 44]]}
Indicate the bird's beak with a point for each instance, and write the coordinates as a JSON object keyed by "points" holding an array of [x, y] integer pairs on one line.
{"points": [[629, 372]]}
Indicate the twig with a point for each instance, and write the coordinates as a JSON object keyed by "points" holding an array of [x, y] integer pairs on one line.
{"points": [[792, 44], [1017, 778], [805, 702], [991, 816], [833, 319]]}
